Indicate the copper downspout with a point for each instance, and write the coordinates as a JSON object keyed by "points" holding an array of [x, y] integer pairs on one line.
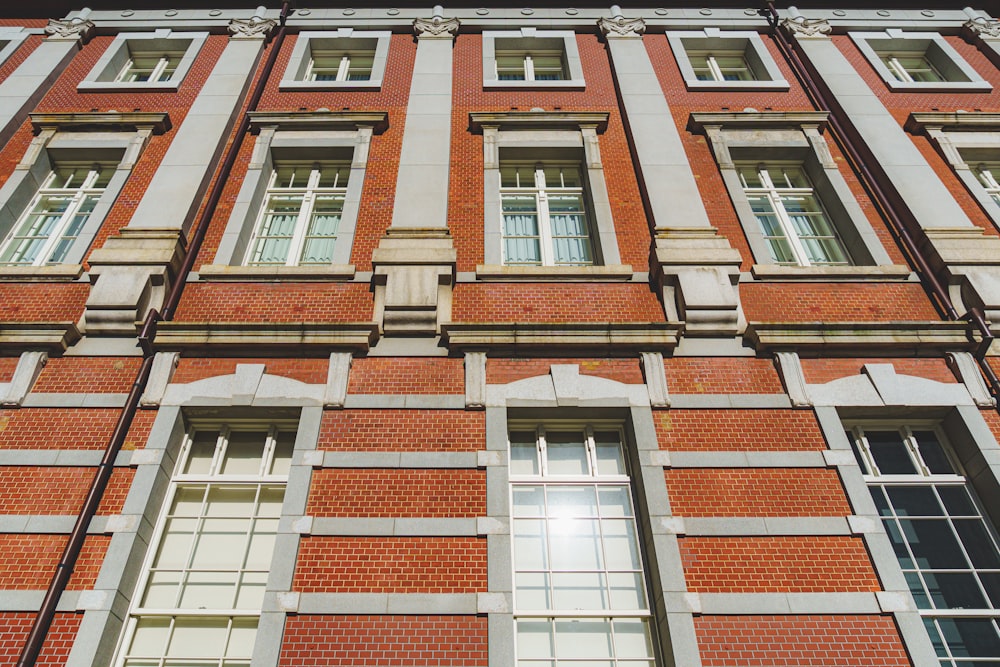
{"points": [[890, 204], [64, 570]]}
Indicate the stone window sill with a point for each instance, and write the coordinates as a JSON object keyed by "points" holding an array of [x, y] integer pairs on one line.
{"points": [[611, 273], [224, 272]]}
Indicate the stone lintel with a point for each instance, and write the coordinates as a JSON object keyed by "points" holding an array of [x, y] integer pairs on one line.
{"points": [[928, 338], [106, 121], [548, 337], [52, 337], [265, 338]]}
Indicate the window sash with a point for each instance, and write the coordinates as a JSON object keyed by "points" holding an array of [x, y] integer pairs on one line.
{"points": [[545, 223], [530, 66], [721, 66], [792, 219], [58, 212], [911, 67], [149, 68], [340, 66], [301, 217], [988, 176]]}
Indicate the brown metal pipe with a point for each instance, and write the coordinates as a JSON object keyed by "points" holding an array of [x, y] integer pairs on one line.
{"points": [[64, 570], [888, 200]]}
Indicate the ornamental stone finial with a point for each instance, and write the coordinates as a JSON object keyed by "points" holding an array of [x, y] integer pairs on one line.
{"points": [[985, 28], [619, 26], [71, 29], [437, 27], [254, 27], [801, 27]]}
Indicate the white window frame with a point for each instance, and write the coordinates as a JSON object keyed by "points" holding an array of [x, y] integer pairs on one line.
{"points": [[776, 196], [113, 65], [214, 477], [958, 75], [793, 137], [297, 74], [926, 478], [530, 137], [297, 137], [309, 193], [542, 191], [593, 478], [78, 196], [528, 41], [763, 68]]}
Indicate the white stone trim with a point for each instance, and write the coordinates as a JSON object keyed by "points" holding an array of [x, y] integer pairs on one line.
{"points": [[522, 40], [767, 76], [101, 77], [11, 38], [960, 75], [293, 77]]}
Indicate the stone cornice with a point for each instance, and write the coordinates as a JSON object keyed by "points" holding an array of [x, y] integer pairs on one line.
{"points": [[131, 121], [319, 120], [265, 338], [543, 120], [921, 121], [53, 337], [892, 338], [698, 121], [549, 337]]}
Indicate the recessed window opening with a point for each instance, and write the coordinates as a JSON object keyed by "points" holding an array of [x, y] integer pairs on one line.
{"points": [[530, 66], [911, 67], [299, 223], [721, 66], [545, 218], [797, 229], [988, 175], [336, 65]]}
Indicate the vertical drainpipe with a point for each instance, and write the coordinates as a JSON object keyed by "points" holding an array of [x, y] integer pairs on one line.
{"points": [[43, 620], [892, 207]]}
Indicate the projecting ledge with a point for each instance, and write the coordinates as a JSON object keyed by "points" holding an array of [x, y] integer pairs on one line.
{"points": [[225, 272], [550, 336], [265, 337], [52, 337], [897, 338]]}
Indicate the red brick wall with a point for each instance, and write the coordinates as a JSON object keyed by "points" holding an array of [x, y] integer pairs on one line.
{"points": [[776, 564], [57, 428], [38, 302], [51, 490], [835, 302], [504, 370], [391, 565], [30, 560], [90, 375], [407, 375], [310, 371], [139, 430], [743, 430], [276, 302], [553, 302], [403, 430], [752, 492], [384, 641], [821, 371], [7, 366], [350, 492], [725, 375], [804, 641], [14, 628]]}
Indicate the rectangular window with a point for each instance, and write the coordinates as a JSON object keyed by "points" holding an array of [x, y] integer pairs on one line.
{"points": [[946, 547], [152, 66], [579, 590], [60, 209], [200, 594], [544, 215], [794, 224], [911, 67], [530, 66], [989, 175], [301, 216], [340, 65], [720, 66]]}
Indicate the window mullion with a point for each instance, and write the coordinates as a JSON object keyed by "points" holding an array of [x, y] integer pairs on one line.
{"points": [[344, 68], [297, 243], [713, 66], [786, 224], [529, 68], [57, 230]]}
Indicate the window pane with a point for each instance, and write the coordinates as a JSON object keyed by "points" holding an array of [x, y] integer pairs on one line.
{"points": [[567, 453], [150, 637], [583, 638], [932, 453], [523, 453], [535, 639], [243, 453], [198, 637], [579, 590], [529, 544], [954, 590], [202, 450], [632, 638], [933, 544], [890, 453], [528, 501], [282, 459], [978, 543], [568, 501], [914, 501], [575, 544], [532, 590], [609, 453]]}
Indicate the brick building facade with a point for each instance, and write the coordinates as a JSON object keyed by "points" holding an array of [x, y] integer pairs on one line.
{"points": [[468, 336]]}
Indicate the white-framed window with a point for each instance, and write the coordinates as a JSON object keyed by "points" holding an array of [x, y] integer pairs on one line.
{"points": [[988, 174], [199, 596], [340, 65], [792, 220], [145, 61], [342, 58], [946, 546], [531, 58], [59, 211], [303, 207], [714, 59], [545, 221], [917, 61], [579, 589]]}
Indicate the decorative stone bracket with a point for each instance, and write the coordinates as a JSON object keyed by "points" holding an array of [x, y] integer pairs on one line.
{"points": [[413, 279], [132, 273], [698, 273]]}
